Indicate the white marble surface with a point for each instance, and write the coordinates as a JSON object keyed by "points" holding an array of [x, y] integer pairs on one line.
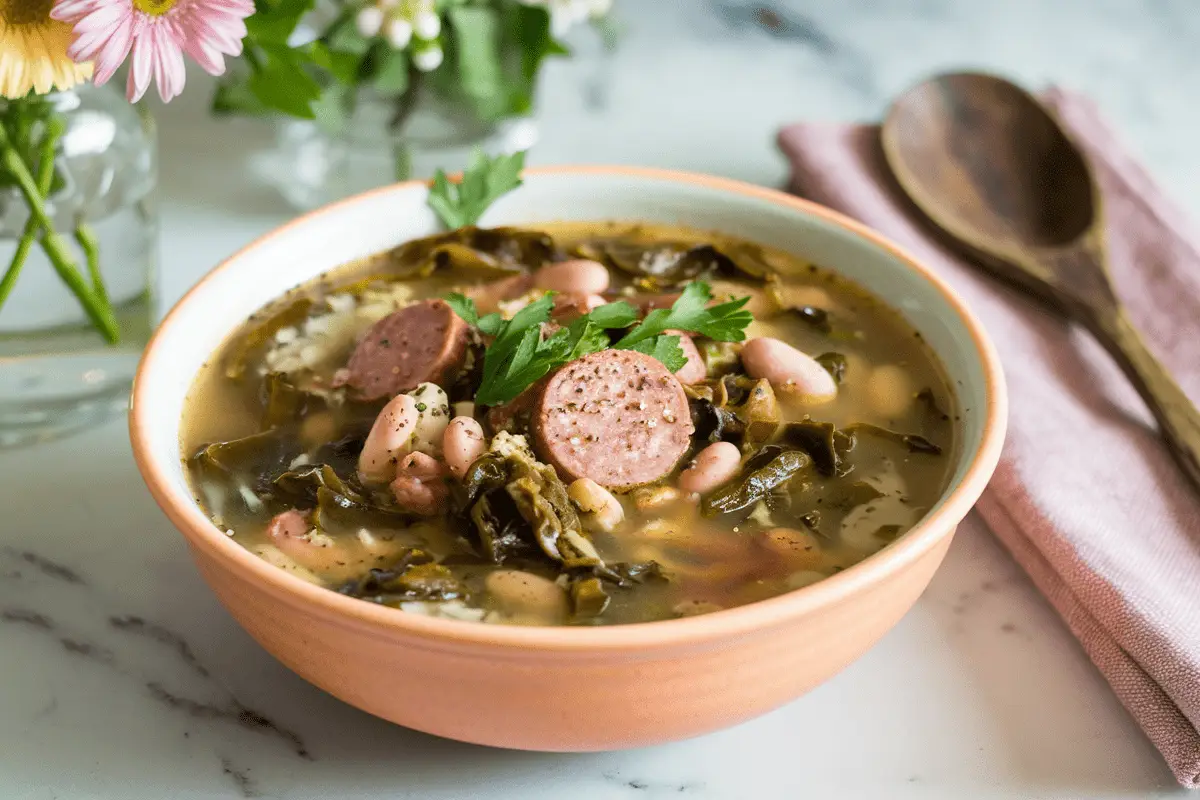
{"points": [[121, 677]]}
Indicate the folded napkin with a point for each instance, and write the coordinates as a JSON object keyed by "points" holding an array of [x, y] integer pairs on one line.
{"points": [[1086, 497]]}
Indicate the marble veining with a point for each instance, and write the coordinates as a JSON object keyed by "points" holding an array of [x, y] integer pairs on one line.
{"points": [[87, 647], [121, 677]]}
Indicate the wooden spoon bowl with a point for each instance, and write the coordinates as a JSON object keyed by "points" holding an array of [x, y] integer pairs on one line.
{"points": [[995, 172]]}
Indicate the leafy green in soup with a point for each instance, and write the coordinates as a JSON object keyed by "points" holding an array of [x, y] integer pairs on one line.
{"points": [[583, 424]]}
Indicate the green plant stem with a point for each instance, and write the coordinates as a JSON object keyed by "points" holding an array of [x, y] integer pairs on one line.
{"points": [[96, 308], [86, 238], [45, 179]]}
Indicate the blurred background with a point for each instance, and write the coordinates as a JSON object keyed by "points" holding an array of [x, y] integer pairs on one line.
{"points": [[985, 691]]}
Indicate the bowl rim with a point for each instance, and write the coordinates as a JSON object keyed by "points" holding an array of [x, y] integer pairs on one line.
{"points": [[203, 535]]}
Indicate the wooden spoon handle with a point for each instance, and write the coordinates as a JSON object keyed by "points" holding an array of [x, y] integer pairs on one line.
{"points": [[1178, 418]]}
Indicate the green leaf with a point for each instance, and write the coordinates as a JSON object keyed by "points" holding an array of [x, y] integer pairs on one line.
{"points": [[614, 315], [343, 37], [342, 65], [725, 322], [531, 316], [492, 324], [281, 82], [519, 356], [666, 349], [464, 307], [234, 96], [532, 28], [484, 181], [476, 35], [276, 23]]}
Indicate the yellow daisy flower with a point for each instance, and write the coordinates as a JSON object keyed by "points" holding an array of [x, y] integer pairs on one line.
{"points": [[33, 50]]}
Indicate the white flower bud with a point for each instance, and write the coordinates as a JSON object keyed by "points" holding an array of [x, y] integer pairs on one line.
{"points": [[368, 21], [429, 59], [398, 33], [427, 25]]}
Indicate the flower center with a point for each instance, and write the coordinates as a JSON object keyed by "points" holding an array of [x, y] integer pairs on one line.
{"points": [[155, 8], [25, 12]]}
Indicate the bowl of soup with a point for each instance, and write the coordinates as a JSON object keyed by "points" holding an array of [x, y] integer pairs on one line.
{"points": [[640, 455]]}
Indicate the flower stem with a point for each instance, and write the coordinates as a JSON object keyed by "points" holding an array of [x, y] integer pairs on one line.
{"points": [[45, 179], [96, 307], [86, 239]]}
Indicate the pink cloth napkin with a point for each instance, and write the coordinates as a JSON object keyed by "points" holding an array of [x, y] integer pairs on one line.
{"points": [[1086, 497]]}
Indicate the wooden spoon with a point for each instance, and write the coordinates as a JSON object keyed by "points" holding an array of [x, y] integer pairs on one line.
{"points": [[990, 167]]}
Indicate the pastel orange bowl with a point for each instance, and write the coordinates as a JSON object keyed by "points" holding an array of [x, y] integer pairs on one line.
{"points": [[525, 687]]}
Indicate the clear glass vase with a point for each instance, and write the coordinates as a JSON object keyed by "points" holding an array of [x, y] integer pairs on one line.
{"points": [[312, 165], [57, 372]]}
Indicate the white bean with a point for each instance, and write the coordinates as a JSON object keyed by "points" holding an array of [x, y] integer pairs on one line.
{"points": [[462, 443], [420, 485], [577, 277], [525, 593], [594, 499], [712, 466], [890, 391], [799, 548], [433, 415], [388, 440], [790, 371]]}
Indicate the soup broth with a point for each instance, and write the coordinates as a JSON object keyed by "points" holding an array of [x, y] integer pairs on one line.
{"points": [[551, 521]]}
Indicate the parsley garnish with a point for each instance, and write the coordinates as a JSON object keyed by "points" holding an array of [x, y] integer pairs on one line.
{"points": [[483, 182], [519, 355], [725, 322]]}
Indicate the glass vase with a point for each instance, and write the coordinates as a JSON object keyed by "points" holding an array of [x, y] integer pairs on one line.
{"points": [[58, 373], [313, 164]]}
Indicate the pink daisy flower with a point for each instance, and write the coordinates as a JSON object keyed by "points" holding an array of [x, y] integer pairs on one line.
{"points": [[157, 33]]}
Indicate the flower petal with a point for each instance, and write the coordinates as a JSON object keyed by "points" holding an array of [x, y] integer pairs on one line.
{"points": [[113, 54], [205, 54], [141, 65], [103, 17], [72, 10], [169, 71]]}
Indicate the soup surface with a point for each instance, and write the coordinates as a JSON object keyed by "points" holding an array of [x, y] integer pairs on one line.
{"points": [[608, 489]]}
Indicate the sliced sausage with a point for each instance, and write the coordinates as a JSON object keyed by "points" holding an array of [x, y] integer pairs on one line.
{"points": [[424, 342], [617, 417], [694, 370]]}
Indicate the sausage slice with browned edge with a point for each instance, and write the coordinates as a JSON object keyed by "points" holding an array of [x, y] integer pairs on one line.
{"points": [[423, 342], [617, 417]]}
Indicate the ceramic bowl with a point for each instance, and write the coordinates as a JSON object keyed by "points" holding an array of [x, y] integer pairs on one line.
{"points": [[560, 688]]}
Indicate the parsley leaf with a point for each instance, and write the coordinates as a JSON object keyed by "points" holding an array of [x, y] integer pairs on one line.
{"points": [[483, 182], [725, 322], [519, 355], [464, 307], [491, 325], [665, 348]]}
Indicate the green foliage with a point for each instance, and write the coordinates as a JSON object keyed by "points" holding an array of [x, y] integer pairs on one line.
{"points": [[494, 51]]}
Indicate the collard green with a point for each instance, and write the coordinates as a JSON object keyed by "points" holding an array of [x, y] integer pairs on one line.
{"points": [[771, 468], [480, 252]]}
